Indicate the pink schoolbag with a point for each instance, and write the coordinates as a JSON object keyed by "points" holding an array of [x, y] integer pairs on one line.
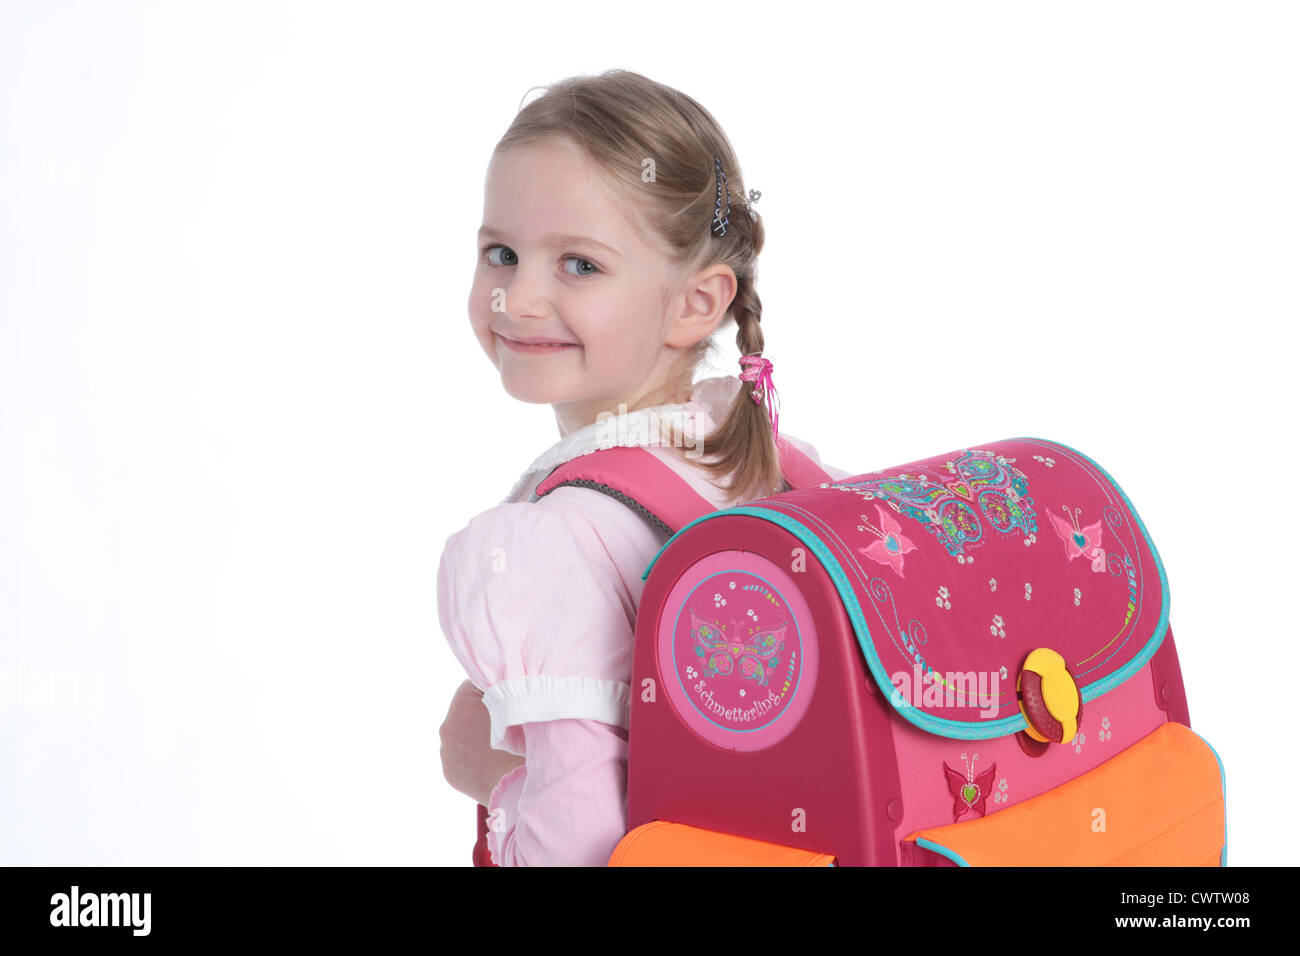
{"points": [[964, 660]]}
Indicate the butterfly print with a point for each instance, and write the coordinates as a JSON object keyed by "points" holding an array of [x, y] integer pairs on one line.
{"points": [[724, 650], [969, 790], [980, 490], [1080, 542], [890, 544]]}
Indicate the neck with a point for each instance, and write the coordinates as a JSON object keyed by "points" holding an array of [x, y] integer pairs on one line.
{"points": [[571, 416]]}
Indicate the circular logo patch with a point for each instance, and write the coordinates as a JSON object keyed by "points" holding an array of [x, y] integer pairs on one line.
{"points": [[736, 636]]}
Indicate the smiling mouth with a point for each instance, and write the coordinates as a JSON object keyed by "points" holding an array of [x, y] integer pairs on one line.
{"points": [[535, 347]]}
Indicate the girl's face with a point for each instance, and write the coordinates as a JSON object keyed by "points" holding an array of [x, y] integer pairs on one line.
{"points": [[560, 261]]}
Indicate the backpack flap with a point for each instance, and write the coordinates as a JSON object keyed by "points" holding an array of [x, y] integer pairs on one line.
{"points": [[1016, 569]]}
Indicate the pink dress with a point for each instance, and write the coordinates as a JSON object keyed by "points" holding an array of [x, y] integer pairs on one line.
{"points": [[538, 601]]}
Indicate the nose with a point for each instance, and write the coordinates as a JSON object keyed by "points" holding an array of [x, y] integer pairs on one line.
{"points": [[525, 295]]}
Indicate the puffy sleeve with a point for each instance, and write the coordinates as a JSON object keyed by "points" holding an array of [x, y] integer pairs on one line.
{"points": [[538, 603], [538, 614]]}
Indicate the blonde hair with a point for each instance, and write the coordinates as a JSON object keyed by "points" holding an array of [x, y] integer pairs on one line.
{"points": [[621, 119]]}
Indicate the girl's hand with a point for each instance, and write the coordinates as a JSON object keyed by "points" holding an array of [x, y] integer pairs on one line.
{"points": [[469, 763]]}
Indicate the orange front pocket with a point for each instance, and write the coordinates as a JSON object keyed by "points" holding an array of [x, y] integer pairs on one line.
{"points": [[1158, 803], [661, 843]]}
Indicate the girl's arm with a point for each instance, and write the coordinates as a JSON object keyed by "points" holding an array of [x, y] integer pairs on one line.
{"points": [[469, 762], [568, 805], [537, 603]]}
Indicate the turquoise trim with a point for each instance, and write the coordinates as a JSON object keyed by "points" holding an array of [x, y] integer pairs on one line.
{"points": [[926, 721], [1223, 780], [941, 850]]}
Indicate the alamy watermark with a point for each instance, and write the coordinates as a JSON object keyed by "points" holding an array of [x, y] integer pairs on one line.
{"points": [[652, 428], [953, 689], [53, 690], [101, 909]]}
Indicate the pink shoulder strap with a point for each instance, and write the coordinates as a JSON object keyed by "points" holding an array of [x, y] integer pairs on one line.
{"points": [[799, 470], [653, 490], [638, 479]]}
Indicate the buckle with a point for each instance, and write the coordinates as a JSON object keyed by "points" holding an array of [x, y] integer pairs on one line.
{"points": [[1049, 698]]}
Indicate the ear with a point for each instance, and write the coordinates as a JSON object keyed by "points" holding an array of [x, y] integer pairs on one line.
{"points": [[700, 305]]}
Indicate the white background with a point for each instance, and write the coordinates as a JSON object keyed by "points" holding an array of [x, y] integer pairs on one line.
{"points": [[241, 408]]}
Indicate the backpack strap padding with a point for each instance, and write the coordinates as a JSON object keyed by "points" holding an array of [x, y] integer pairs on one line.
{"points": [[638, 479]]}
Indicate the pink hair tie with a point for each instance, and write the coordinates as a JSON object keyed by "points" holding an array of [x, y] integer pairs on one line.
{"points": [[759, 371]]}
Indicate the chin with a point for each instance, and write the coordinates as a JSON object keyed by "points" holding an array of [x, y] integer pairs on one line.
{"points": [[531, 390]]}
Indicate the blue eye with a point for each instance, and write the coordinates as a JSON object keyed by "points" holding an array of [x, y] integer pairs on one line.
{"points": [[508, 258], [487, 254], [593, 265]]}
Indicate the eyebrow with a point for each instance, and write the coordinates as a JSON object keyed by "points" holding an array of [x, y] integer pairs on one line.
{"points": [[556, 239]]}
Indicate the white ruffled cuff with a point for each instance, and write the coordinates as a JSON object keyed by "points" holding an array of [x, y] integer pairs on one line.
{"points": [[541, 697]]}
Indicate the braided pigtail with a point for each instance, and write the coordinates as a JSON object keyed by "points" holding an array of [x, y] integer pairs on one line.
{"points": [[744, 444]]}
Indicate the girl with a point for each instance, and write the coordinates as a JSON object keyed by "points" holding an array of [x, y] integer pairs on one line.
{"points": [[610, 253]]}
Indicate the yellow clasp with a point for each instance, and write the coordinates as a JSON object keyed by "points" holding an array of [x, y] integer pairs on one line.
{"points": [[1052, 698]]}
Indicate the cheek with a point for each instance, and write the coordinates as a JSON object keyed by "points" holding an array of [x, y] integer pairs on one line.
{"points": [[486, 292], [480, 314], [619, 336], [480, 301]]}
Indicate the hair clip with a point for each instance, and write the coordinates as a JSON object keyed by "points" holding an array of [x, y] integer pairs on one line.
{"points": [[720, 219]]}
